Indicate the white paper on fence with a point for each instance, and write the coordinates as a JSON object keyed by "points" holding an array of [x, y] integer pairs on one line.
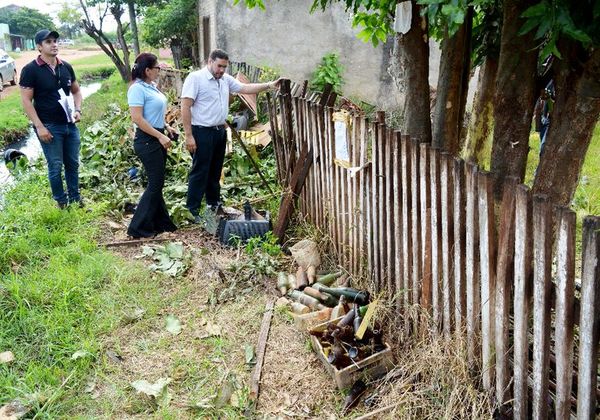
{"points": [[67, 103], [355, 169], [341, 143], [403, 17]]}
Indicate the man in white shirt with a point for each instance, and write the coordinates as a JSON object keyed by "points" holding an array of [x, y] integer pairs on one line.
{"points": [[204, 109]]}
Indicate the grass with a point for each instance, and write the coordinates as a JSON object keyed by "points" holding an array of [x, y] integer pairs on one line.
{"points": [[95, 66], [59, 294], [13, 122], [113, 90]]}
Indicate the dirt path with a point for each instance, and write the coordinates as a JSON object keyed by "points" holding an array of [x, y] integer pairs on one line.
{"points": [[220, 311], [66, 54]]}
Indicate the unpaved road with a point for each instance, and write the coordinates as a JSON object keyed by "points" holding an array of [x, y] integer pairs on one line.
{"points": [[66, 54]]}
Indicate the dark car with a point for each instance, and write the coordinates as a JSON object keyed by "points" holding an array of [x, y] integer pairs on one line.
{"points": [[8, 70]]}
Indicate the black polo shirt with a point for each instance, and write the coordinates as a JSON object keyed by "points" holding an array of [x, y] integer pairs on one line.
{"points": [[45, 83]]}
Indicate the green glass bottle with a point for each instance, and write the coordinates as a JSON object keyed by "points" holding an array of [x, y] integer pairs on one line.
{"points": [[359, 297]]}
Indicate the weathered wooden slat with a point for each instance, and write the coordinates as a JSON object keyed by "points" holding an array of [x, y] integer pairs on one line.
{"points": [[323, 163], [415, 223], [275, 139], [589, 324], [425, 228], [472, 264], [332, 202], [375, 146], [522, 292], [390, 220], [504, 271], [397, 205], [487, 264], [436, 257], [565, 297], [459, 231], [381, 204], [311, 181], [406, 223], [363, 197], [446, 186], [318, 208], [542, 262], [369, 204], [345, 216], [287, 203], [354, 208]]}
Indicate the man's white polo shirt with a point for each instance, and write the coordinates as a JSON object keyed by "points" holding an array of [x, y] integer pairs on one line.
{"points": [[210, 95]]}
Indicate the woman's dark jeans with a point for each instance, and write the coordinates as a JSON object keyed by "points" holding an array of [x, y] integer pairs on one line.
{"points": [[151, 216]]}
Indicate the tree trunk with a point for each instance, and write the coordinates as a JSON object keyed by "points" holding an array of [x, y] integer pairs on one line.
{"points": [[134, 28], [452, 88], [575, 115], [117, 13], [410, 72], [515, 96], [176, 51], [479, 138], [104, 43]]}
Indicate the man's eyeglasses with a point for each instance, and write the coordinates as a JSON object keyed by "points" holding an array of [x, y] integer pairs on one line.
{"points": [[157, 67]]}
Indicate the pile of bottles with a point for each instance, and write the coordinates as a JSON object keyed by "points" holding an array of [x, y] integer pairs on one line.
{"points": [[343, 341], [345, 306]]}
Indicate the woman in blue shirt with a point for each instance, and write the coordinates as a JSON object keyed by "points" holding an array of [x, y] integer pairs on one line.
{"points": [[148, 106]]}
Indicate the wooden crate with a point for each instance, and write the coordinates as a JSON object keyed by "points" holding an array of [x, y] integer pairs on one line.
{"points": [[309, 320], [373, 367]]}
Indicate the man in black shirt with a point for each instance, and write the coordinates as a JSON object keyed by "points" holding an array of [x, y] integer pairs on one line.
{"points": [[52, 100]]}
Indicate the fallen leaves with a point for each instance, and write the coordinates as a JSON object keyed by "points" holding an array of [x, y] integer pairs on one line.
{"points": [[173, 325], [168, 258], [13, 410], [80, 354], [210, 330], [155, 390], [6, 357]]}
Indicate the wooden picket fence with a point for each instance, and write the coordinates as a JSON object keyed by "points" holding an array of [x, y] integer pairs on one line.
{"points": [[423, 226]]}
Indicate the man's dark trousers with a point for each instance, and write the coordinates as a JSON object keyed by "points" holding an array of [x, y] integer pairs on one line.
{"points": [[207, 164]]}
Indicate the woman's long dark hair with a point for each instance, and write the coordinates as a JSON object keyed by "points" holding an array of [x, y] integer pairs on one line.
{"points": [[142, 62]]}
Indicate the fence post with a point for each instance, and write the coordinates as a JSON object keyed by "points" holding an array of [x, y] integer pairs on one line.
{"points": [[434, 176], [364, 193], [425, 225], [416, 220], [487, 264], [390, 217], [589, 324], [459, 229], [472, 264], [398, 209], [446, 185], [381, 203], [406, 225], [565, 299], [504, 271], [542, 271], [522, 293]]}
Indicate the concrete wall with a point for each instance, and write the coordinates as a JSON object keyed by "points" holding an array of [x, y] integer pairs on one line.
{"points": [[286, 36]]}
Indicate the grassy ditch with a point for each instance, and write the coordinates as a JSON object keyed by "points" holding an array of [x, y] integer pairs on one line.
{"points": [[13, 122], [59, 294]]}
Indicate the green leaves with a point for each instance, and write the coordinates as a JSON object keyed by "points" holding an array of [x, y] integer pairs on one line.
{"points": [[553, 20], [329, 71], [251, 4]]}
